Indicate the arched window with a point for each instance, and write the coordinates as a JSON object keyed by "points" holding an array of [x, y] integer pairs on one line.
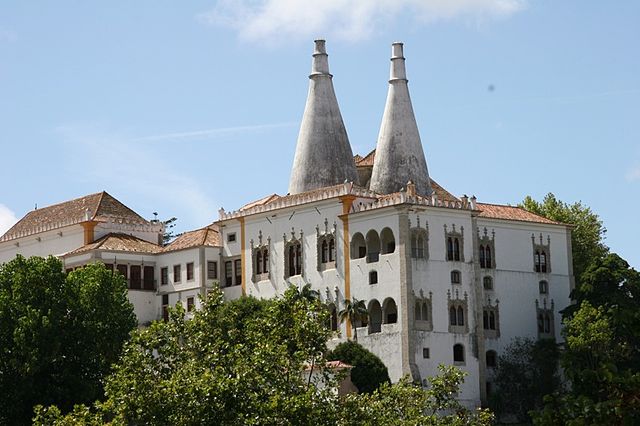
{"points": [[333, 318], [490, 359], [265, 260], [455, 277], [458, 353], [418, 311], [298, 259], [332, 249], [425, 311], [390, 311], [460, 316], [482, 257], [547, 323], [388, 242], [544, 287], [358, 246], [456, 249], [453, 320], [537, 261], [373, 277], [540, 323], [543, 261], [492, 320], [487, 283], [485, 320], [375, 317], [488, 257], [449, 248], [324, 252], [373, 246], [259, 262], [292, 260]]}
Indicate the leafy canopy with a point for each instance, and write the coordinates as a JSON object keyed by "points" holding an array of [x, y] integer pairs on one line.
{"points": [[59, 334], [368, 372], [587, 236]]}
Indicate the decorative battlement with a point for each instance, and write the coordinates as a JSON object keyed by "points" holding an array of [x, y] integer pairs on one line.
{"points": [[348, 188]]}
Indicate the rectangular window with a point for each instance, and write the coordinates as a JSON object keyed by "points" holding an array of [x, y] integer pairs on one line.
{"points": [[123, 271], [149, 282], [165, 307], [164, 276], [425, 353], [136, 277], [212, 270], [191, 304], [177, 272], [189, 271], [237, 266], [228, 273], [231, 238]]}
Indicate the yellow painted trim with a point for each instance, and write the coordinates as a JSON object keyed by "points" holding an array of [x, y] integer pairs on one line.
{"points": [[89, 234], [243, 257], [347, 201]]}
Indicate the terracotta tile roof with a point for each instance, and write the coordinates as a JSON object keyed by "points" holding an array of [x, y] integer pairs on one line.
{"points": [[334, 365], [100, 207], [497, 211], [442, 193], [261, 201], [119, 242], [207, 236], [366, 161]]}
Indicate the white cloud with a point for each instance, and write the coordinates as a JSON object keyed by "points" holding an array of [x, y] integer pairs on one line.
{"points": [[196, 134], [7, 219], [279, 20], [633, 174]]}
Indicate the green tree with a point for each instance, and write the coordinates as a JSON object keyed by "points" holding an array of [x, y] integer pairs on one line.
{"points": [[354, 310], [526, 371], [587, 236], [368, 372], [59, 334], [602, 355]]}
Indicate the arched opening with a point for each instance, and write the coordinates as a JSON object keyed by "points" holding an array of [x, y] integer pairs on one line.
{"points": [[265, 261], [460, 316], [358, 246], [375, 316], [324, 251], [487, 283], [449, 248], [373, 277], [418, 311], [458, 353], [388, 241], [547, 323], [536, 261], [425, 311], [332, 249], [333, 317], [453, 318], [482, 257], [259, 262], [488, 259], [485, 320], [390, 311], [491, 359], [544, 287], [373, 246], [540, 323], [492, 320], [456, 249], [455, 277], [543, 261]]}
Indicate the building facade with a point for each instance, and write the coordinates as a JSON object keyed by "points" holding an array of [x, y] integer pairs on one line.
{"points": [[446, 279]]}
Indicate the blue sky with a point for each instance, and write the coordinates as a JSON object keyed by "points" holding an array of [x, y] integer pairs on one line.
{"points": [[184, 107]]}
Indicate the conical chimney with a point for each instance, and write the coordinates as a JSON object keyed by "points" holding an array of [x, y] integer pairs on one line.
{"points": [[399, 154], [323, 154]]}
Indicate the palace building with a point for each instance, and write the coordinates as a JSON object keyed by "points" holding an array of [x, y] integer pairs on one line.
{"points": [[446, 279]]}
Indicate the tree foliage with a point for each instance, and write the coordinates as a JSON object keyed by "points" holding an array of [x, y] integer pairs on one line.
{"points": [[59, 334], [602, 354], [368, 371], [525, 373], [587, 236], [246, 362], [354, 310]]}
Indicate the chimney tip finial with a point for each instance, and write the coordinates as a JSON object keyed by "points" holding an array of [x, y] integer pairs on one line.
{"points": [[320, 65]]}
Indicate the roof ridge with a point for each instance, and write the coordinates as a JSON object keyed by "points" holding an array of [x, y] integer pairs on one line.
{"points": [[99, 203]]}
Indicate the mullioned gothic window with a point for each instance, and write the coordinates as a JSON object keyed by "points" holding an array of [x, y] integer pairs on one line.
{"points": [[544, 320], [423, 318], [458, 313], [486, 250], [454, 243], [491, 319], [419, 241], [293, 250], [541, 254], [260, 259], [326, 242]]}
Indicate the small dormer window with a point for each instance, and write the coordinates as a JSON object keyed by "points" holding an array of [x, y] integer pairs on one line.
{"points": [[231, 237]]}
